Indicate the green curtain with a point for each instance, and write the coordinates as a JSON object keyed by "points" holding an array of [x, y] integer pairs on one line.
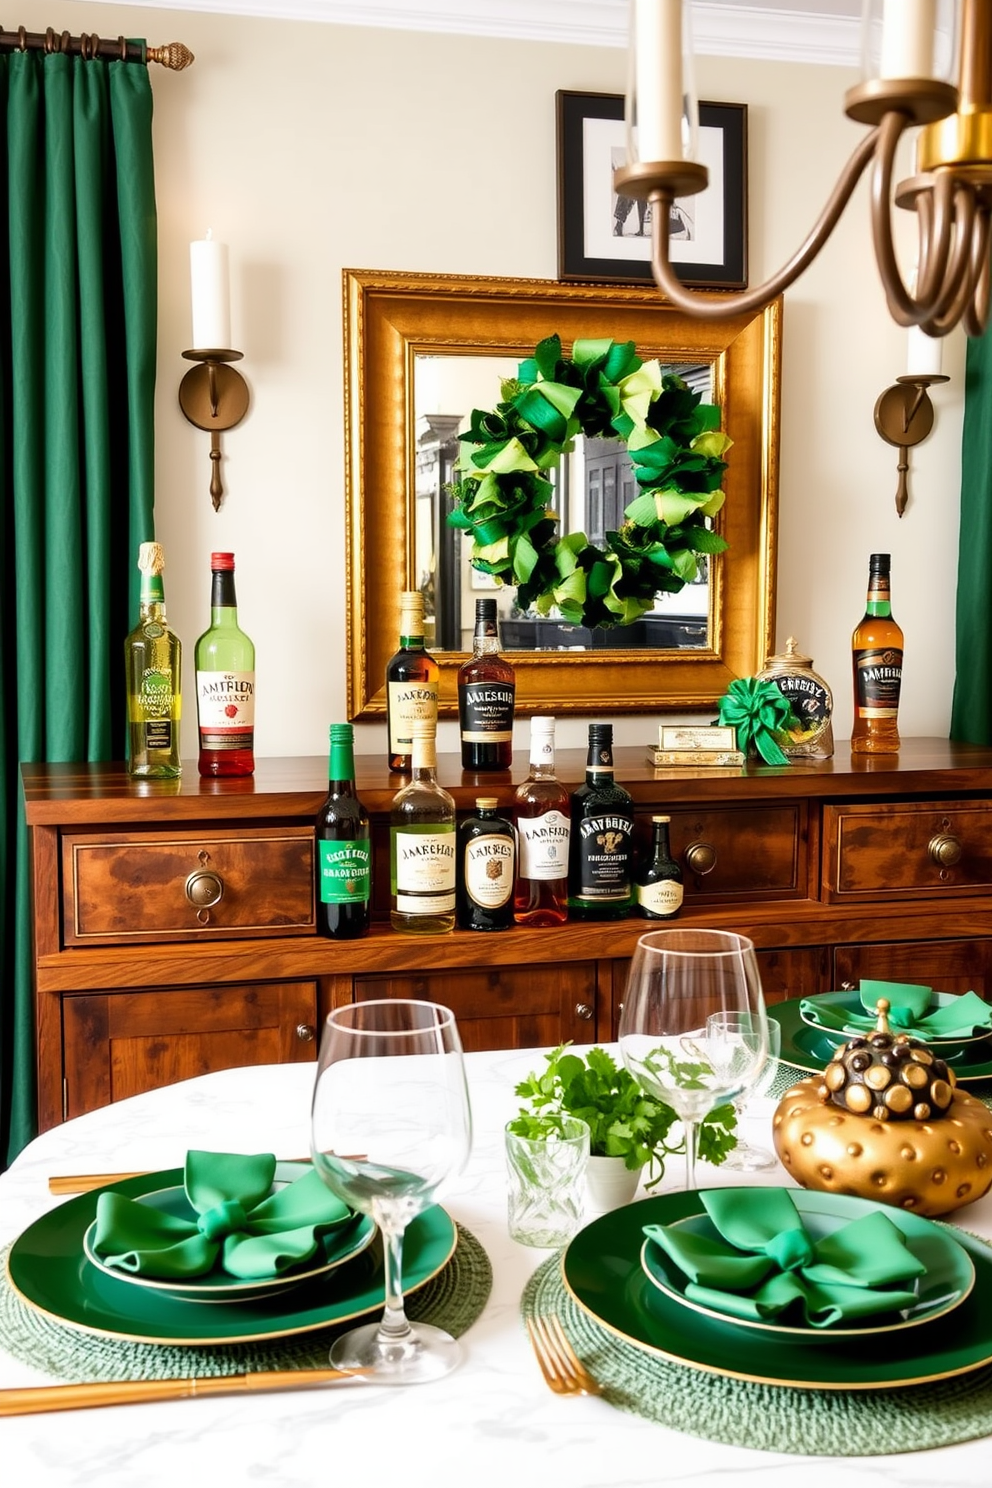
{"points": [[971, 712], [77, 380]]}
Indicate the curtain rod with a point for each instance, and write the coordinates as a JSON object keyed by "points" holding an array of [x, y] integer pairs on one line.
{"points": [[174, 55]]}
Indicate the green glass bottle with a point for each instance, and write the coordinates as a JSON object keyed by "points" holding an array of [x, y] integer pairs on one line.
{"points": [[344, 849], [153, 668], [225, 681], [487, 858]]}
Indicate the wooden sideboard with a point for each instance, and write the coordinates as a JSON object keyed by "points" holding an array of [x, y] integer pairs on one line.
{"points": [[837, 870]]}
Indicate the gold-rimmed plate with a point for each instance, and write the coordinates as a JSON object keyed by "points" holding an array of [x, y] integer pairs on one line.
{"points": [[811, 1049], [849, 1002]]}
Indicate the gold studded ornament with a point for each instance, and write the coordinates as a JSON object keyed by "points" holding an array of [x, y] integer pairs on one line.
{"points": [[886, 1121]]}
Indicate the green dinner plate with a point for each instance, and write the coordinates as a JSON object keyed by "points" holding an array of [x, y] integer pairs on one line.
{"points": [[49, 1272], [602, 1272], [812, 1049], [949, 1277], [849, 1001], [347, 1240]]}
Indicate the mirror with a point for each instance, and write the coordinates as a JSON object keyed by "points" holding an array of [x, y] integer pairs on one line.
{"points": [[405, 337]]}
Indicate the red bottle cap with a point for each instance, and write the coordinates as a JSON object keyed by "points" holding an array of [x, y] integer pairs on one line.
{"points": [[220, 561]]}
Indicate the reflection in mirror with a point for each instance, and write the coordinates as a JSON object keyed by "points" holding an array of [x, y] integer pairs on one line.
{"points": [[593, 484]]}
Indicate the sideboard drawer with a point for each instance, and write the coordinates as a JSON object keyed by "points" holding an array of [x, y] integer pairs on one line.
{"points": [[742, 853], [914, 848], [152, 886]]}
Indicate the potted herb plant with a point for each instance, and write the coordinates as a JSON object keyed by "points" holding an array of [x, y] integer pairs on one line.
{"points": [[628, 1129]]}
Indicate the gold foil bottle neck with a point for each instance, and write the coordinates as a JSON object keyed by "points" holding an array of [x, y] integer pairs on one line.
{"points": [[151, 558]]}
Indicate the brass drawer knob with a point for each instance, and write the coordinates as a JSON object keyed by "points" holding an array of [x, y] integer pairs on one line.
{"points": [[945, 850], [701, 857], [204, 889], [583, 1010], [305, 1032]]}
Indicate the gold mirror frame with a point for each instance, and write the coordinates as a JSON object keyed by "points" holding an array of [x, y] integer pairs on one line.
{"points": [[390, 317]]}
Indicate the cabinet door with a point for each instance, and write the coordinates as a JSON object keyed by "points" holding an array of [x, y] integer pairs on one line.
{"points": [[945, 965], [507, 1007], [122, 1043], [784, 974]]}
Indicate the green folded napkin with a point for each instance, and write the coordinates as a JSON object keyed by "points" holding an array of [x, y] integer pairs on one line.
{"points": [[251, 1232], [766, 1262], [908, 1013]]}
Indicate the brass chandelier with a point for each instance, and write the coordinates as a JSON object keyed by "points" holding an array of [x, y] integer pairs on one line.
{"points": [[950, 193]]}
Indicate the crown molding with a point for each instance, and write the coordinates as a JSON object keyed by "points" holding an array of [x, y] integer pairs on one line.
{"points": [[724, 28]]}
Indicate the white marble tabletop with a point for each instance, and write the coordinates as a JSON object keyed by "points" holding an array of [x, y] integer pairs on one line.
{"points": [[493, 1421]]}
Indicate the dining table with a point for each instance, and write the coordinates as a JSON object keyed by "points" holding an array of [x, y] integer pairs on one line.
{"points": [[493, 1420]]}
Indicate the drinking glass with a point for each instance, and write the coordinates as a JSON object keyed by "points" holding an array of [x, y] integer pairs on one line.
{"points": [[546, 1187], [390, 1125], [734, 1033], [677, 978]]}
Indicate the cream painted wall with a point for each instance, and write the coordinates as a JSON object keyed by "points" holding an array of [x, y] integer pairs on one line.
{"points": [[309, 148]]}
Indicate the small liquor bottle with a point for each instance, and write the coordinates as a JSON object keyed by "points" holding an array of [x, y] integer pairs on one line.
{"points": [[599, 866], [658, 891], [543, 829], [411, 682], [486, 692], [487, 855], [225, 681], [422, 844], [876, 649], [153, 665], [344, 851]]}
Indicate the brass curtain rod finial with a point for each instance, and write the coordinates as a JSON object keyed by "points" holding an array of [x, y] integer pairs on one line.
{"points": [[214, 396], [904, 418], [175, 56]]}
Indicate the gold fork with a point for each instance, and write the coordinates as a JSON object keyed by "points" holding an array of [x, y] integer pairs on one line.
{"points": [[561, 1366]]}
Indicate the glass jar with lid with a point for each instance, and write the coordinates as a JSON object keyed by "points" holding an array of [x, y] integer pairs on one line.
{"points": [[811, 699]]}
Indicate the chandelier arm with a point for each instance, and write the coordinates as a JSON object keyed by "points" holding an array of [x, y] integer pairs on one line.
{"points": [[962, 270], [976, 315], [724, 307], [971, 299], [935, 254], [904, 309]]}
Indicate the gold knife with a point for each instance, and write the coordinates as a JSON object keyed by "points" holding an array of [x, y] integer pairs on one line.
{"points": [[35, 1398], [77, 1183]]}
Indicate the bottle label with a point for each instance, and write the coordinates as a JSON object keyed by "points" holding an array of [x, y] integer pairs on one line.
{"points": [[225, 706], [406, 702], [155, 698], [158, 734], [877, 681], [663, 898], [488, 869], [810, 700], [424, 868], [486, 712], [543, 842], [345, 872], [604, 858]]}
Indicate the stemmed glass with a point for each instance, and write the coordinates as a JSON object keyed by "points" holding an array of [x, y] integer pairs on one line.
{"points": [[734, 1034], [390, 1124], [677, 978]]}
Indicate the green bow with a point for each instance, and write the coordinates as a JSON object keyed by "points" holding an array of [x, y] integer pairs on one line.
{"points": [[238, 1220], [757, 710], [763, 1261], [909, 1012]]}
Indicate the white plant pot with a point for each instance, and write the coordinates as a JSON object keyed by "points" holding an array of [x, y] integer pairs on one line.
{"points": [[610, 1182]]}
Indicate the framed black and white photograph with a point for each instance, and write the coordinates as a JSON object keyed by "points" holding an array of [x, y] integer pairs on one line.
{"points": [[606, 237]]}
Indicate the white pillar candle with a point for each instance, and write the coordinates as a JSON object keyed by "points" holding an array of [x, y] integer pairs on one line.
{"points": [[658, 78], [211, 295], [907, 39], [924, 354]]}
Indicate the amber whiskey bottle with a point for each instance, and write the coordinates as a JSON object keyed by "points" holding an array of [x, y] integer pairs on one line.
{"points": [[486, 697], [599, 867], [411, 683], [543, 830], [876, 651]]}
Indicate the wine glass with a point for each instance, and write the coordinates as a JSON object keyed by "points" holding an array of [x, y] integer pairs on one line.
{"points": [[734, 1033], [390, 1124], [677, 978]]}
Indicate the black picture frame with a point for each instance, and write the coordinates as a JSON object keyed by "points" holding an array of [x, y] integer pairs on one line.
{"points": [[590, 142]]}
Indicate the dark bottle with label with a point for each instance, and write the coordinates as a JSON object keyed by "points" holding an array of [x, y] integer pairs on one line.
{"points": [[487, 860], [876, 652], [486, 695], [658, 882], [344, 851], [411, 683], [600, 851]]}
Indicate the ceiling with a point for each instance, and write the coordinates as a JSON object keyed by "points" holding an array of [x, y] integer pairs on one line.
{"points": [[824, 31]]}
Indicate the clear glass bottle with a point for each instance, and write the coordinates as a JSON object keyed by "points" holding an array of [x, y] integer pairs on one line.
{"points": [[601, 846], [153, 678], [344, 849], [876, 651], [422, 844], [225, 681], [486, 696], [487, 859], [541, 808], [411, 682], [658, 880]]}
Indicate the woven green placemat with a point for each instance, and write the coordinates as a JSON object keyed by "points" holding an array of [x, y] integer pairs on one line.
{"points": [[835, 1423], [452, 1300]]}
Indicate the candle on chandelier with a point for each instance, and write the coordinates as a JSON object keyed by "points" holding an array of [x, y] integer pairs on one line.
{"points": [[658, 78], [211, 294], [907, 39]]}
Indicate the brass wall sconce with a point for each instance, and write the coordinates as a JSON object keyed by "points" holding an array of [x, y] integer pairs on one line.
{"points": [[904, 417], [214, 396]]}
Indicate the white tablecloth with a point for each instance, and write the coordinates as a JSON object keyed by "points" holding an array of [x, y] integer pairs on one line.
{"points": [[493, 1421]]}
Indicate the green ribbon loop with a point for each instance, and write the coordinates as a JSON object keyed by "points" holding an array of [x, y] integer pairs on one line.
{"points": [[757, 710]]}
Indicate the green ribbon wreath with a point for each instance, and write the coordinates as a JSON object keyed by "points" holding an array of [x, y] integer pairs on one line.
{"points": [[758, 711], [503, 492]]}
